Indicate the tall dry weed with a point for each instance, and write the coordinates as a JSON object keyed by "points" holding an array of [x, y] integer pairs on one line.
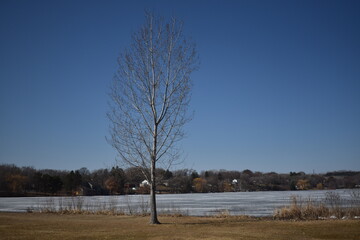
{"points": [[333, 206]]}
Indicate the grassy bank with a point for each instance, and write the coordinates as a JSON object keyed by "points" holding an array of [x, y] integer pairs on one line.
{"points": [[56, 226]]}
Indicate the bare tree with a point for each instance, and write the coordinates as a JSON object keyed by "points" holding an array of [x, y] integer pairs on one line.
{"points": [[150, 96]]}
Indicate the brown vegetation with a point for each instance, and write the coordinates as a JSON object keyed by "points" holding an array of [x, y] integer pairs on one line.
{"points": [[331, 208]]}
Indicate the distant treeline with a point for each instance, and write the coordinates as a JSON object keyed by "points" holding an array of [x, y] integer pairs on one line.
{"points": [[27, 181]]}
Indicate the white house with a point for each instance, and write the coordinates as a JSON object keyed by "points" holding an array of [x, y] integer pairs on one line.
{"points": [[144, 183]]}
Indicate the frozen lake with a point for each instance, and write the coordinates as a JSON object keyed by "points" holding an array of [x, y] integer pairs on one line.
{"points": [[195, 204]]}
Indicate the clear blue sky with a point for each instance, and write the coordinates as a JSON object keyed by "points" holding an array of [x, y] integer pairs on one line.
{"points": [[278, 87]]}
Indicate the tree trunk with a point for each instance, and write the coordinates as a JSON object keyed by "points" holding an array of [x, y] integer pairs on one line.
{"points": [[153, 212]]}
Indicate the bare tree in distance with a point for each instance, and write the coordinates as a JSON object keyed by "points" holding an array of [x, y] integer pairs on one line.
{"points": [[150, 96]]}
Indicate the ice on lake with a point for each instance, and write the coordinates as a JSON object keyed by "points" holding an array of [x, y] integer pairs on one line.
{"points": [[193, 204]]}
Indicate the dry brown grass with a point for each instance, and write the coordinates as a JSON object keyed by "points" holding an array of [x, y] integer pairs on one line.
{"points": [[311, 210], [55, 226]]}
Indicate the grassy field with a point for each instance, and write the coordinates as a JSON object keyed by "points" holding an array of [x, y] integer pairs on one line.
{"points": [[55, 226]]}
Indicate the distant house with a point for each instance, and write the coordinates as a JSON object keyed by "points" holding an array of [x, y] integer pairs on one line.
{"points": [[144, 183], [236, 185], [129, 188]]}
